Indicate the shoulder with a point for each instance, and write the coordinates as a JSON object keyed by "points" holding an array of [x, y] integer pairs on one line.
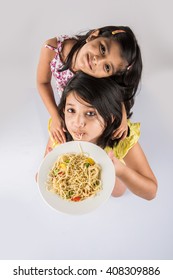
{"points": [[122, 148], [51, 42], [64, 40], [134, 131], [48, 50]]}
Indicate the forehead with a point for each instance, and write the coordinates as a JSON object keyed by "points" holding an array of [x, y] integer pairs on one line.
{"points": [[111, 44], [73, 98]]}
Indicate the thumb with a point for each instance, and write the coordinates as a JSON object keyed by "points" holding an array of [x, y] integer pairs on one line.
{"points": [[111, 155]]}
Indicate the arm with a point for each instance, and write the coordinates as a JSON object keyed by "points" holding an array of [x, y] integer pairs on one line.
{"points": [[136, 173], [44, 76]]}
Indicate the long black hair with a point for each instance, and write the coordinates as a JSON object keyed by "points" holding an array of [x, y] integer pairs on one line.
{"points": [[104, 95], [128, 77]]}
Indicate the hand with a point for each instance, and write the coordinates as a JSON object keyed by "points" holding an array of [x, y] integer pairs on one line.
{"points": [[122, 130], [57, 130], [117, 163], [48, 147]]}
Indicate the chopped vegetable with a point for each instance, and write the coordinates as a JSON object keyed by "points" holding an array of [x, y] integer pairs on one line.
{"points": [[55, 171], [90, 161], [69, 195], [77, 198], [61, 173], [62, 165]]}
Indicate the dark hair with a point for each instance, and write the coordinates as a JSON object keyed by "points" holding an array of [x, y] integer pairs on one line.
{"points": [[129, 77], [104, 95]]}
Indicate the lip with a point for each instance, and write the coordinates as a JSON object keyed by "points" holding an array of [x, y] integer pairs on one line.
{"points": [[78, 135]]}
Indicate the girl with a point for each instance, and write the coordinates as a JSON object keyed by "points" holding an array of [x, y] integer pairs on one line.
{"points": [[91, 110], [107, 51]]}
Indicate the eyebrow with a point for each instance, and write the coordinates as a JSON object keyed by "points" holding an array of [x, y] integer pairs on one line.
{"points": [[112, 66], [70, 104]]}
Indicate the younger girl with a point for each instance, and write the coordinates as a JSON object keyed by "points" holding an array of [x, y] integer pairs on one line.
{"points": [[107, 51], [91, 110]]}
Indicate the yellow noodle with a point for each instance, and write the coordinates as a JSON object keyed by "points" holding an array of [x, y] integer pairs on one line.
{"points": [[74, 177]]}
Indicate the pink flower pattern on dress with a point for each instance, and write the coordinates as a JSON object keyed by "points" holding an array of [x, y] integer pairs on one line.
{"points": [[61, 78]]}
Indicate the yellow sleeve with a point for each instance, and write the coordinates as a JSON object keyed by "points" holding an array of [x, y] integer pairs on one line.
{"points": [[121, 149], [54, 143]]}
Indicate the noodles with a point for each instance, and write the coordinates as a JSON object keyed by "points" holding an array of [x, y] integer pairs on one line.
{"points": [[74, 177]]}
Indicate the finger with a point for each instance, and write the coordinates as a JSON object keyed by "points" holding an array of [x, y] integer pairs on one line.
{"points": [[111, 154], [116, 136], [112, 157], [63, 136], [54, 136], [60, 137], [124, 135], [116, 133], [57, 136]]}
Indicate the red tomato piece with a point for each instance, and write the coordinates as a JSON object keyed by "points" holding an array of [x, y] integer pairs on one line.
{"points": [[77, 198]]}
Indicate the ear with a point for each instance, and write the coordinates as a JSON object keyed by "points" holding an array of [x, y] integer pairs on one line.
{"points": [[93, 35]]}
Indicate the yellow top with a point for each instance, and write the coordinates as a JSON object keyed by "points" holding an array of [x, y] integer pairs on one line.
{"points": [[121, 149], [54, 143]]}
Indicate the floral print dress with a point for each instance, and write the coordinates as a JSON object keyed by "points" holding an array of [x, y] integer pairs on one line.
{"points": [[61, 78]]}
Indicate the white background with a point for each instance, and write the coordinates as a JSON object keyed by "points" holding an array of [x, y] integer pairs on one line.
{"points": [[123, 228]]}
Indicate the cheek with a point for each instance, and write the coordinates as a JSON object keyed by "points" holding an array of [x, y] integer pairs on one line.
{"points": [[101, 122], [99, 125], [67, 121]]}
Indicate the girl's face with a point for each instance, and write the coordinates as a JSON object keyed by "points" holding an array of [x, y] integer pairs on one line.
{"points": [[100, 57], [82, 120]]}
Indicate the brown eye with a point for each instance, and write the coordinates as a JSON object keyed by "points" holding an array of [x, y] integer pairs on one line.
{"points": [[102, 49], [91, 113], [107, 68], [70, 110]]}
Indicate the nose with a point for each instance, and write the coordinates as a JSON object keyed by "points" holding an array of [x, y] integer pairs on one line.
{"points": [[79, 121], [95, 60], [98, 61]]}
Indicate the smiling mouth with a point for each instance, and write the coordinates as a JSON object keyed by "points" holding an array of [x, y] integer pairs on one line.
{"points": [[89, 61]]}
